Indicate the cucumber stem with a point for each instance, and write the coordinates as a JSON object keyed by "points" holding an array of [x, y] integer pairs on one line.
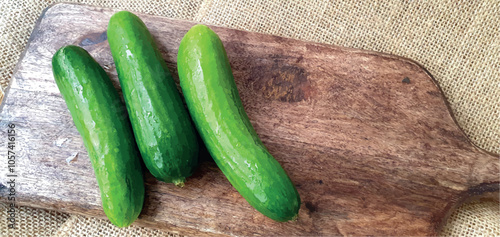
{"points": [[179, 182]]}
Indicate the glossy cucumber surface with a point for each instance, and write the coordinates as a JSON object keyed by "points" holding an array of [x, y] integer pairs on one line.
{"points": [[214, 103], [163, 129], [102, 121]]}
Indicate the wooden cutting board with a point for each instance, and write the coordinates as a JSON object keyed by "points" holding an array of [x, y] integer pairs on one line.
{"points": [[367, 138]]}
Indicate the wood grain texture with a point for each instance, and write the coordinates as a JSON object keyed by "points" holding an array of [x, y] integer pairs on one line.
{"points": [[367, 138]]}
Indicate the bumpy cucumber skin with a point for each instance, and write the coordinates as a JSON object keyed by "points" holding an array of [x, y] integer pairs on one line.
{"points": [[214, 103], [101, 120], [163, 129]]}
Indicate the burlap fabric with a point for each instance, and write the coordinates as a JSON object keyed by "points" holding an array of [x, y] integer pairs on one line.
{"points": [[31, 221], [457, 41]]}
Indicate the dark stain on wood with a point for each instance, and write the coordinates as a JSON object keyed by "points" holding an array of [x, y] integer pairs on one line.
{"points": [[482, 189], [406, 80], [282, 82], [368, 156], [311, 207]]}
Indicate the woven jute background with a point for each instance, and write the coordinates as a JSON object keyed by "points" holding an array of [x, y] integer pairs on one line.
{"points": [[30, 221], [457, 41]]}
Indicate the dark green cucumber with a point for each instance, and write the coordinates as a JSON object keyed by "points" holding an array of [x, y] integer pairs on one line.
{"points": [[101, 120], [163, 129], [214, 103]]}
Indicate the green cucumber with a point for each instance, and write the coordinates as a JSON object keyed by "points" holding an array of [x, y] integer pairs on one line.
{"points": [[163, 129], [212, 98], [101, 120]]}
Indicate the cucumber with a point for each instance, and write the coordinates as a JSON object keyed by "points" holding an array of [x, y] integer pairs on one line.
{"points": [[213, 101], [101, 119], [163, 129]]}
